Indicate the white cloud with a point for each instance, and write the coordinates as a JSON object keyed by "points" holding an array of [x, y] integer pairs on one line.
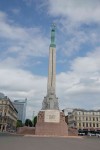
{"points": [[79, 87], [78, 22], [28, 2], [19, 84], [74, 43], [76, 37], [22, 41], [89, 64], [86, 64], [20, 80], [76, 10]]}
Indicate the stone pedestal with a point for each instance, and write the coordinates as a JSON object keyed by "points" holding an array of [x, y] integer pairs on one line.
{"points": [[51, 122], [26, 130]]}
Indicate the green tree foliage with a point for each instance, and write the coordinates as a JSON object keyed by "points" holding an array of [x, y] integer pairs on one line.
{"points": [[35, 121], [28, 123], [19, 123]]}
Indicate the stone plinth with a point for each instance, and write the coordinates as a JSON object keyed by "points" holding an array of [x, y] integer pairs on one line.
{"points": [[26, 130], [51, 122]]}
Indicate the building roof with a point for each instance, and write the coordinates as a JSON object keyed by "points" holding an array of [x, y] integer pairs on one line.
{"points": [[76, 109]]}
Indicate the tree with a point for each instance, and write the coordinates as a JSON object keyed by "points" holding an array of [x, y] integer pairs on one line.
{"points": [[35, 121], [28, 123], [19, 123]]}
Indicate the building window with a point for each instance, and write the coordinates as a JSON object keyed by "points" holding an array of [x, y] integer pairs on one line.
{"points": [[78, 113], [97, 125], [75, 124], [90, 124], [95, 113], [97, 119], [93, 124], [86, 124], [83, 124], [0, 113], [93, 119], [86, 118], [75, 118]]}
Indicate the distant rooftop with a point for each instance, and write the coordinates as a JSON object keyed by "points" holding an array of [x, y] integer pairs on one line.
{"points": [[20, 101], [93, 110]]}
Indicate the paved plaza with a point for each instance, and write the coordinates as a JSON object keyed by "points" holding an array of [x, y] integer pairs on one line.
{"points": [[13, 142]]}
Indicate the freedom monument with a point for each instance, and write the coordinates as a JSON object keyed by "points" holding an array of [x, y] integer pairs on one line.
{"points": [[50, 120]]}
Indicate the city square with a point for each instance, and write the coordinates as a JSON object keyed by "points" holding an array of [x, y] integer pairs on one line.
{"points": [[50, 75], [13, 142]]}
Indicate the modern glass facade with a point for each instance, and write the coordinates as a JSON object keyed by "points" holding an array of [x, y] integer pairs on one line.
{"points": [[21, 108]]}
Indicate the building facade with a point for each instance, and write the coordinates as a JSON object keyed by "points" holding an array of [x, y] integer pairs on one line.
{"points": [[84, 119], [21, 108], [8, 114]]}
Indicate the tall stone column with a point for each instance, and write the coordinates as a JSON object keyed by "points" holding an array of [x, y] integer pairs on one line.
{"points": [[51, 101], [50, 120]]}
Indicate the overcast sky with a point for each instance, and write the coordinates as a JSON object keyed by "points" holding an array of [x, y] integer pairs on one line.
{"points": [[24, 47]]}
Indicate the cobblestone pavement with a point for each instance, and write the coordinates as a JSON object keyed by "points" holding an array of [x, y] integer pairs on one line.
{"points": [[13, 142]]}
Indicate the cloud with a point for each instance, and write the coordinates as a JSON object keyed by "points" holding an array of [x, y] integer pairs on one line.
{"points": [[80, 87], [75, 43], [28, 2], [21, 42], [77, 23], [88, 64], [76, 10], [16, 11], [75, 38], [18, 76], [18, 45], [18, 84]]}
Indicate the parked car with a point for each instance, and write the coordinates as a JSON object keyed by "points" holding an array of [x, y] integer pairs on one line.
{"points": [[81, 133], [98, 134], [91, 134]]}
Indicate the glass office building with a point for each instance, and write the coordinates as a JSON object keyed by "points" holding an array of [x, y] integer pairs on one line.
{"points": [[21, 108]]}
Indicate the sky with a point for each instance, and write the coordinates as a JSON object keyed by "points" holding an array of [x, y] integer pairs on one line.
{"points": [[25, 27]]}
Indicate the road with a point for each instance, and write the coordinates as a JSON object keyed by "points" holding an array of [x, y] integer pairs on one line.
{"points": [[13, 142]]}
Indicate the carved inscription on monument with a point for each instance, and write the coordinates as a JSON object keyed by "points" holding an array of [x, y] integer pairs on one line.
{"points": [[52, 116]]}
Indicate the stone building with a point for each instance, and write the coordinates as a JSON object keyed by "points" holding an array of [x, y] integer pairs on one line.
{"points": [[8, 114], [84, 119]]}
